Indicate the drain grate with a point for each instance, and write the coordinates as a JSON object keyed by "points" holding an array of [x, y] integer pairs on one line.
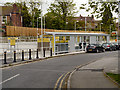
{"points": [[92, 70]]}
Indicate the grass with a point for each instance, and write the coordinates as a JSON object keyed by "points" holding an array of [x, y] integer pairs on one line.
{"points": [[115, 77]]}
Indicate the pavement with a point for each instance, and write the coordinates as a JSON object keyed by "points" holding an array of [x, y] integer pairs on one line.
{"points": [[92, 76]]}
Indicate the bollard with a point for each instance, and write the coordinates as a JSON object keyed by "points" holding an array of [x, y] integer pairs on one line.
{"points": [[44, 52], [14, 56], [37, 54], [30, 54], [51, 52], [5, 62], [22, 55]]}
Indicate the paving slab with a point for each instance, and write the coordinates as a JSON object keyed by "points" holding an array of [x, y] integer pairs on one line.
{"points": [[84, 77], [89, 79]]}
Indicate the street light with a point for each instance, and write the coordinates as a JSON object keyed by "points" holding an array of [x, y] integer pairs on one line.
{"points": [[75, 25], [110, 29], [66, 25], [100, 26], [41, 32], [85, 23], [37, 27], [41, 27], [44, 24]]}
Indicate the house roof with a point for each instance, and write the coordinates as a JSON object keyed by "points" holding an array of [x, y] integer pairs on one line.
{"points": [[5, 10]]}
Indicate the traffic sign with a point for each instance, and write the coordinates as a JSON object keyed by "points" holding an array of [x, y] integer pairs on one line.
{"points": [[114, 32]]}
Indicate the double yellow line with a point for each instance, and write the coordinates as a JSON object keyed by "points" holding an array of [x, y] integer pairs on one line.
{"points": [[60, 80]]}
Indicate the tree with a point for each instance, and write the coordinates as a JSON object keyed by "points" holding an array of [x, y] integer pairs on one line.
{"points": [[60, 11], [35, 12], [26, 16], [104, 10]]}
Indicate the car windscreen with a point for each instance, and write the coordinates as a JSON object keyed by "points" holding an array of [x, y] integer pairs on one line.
{"points": [[115, 43], [105, 44], [91, 45]]}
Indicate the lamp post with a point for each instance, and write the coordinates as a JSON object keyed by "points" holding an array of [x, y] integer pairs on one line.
{"points": [[66, 25], [118, 21], [37, 27], [100, 26], [75, 25], [110, 29], [85, 23], [41, 28], [44, 24], [41, 32]]}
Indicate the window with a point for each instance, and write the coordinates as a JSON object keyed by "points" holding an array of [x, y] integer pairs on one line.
{"points": [[67, 37], [4, 19]]}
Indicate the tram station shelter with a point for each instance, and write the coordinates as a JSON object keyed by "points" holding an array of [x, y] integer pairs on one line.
{"points": [[70, 41]]}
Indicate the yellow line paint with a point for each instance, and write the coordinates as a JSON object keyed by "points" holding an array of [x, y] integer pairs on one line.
{"points": [[58, 81], [63, 80]]}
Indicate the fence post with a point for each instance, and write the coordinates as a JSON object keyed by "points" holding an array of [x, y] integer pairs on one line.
{"points": [[51, 52], [22, 55], [30, 54], [5, 62], [44, 52], [37, 54], [14, 56]]}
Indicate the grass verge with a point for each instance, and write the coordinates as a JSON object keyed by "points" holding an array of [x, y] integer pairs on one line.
{"points": [[115, 77]]}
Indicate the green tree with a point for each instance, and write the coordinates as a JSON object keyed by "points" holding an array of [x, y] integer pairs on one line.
{"points": [[25, 15], [60, 11], [35, 12], [103, 10]]}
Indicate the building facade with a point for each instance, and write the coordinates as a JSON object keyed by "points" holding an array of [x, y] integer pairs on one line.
{"points": [[91, 23], [10, 15]]}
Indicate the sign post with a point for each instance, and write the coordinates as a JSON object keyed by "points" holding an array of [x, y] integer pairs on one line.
{"points": [[115, 33]]}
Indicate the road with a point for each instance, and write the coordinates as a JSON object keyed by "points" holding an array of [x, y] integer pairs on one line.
{"points": [[44, 74]]}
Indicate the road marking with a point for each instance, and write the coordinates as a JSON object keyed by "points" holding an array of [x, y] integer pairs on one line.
{"points": [[58, 81], [63, 80], [9, 79]]}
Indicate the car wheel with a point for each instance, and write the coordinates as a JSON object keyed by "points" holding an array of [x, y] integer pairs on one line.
{"points": [[103, 50], [87, 51], [97, 51], [110, 49]]}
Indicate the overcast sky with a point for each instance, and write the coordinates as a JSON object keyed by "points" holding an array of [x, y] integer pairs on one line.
{"points": [[47, 3]]}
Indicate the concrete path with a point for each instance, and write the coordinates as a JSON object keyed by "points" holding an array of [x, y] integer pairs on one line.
{"points": [[91, 75], [90, 79]]}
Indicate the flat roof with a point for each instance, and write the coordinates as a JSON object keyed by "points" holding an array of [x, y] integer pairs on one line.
{"points": [[73, 33]]}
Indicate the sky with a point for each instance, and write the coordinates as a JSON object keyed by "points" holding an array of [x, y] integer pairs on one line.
{"points": [[46, 4]]}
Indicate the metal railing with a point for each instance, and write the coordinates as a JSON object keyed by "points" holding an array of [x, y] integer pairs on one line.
{"points": [[24, 55]]}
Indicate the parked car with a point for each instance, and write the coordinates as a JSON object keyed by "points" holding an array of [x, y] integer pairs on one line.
{"points": [[117, 46], [109, 46], [95, 48]]}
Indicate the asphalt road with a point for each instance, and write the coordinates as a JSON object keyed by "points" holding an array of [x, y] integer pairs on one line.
{"points": [[44, 74]]}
